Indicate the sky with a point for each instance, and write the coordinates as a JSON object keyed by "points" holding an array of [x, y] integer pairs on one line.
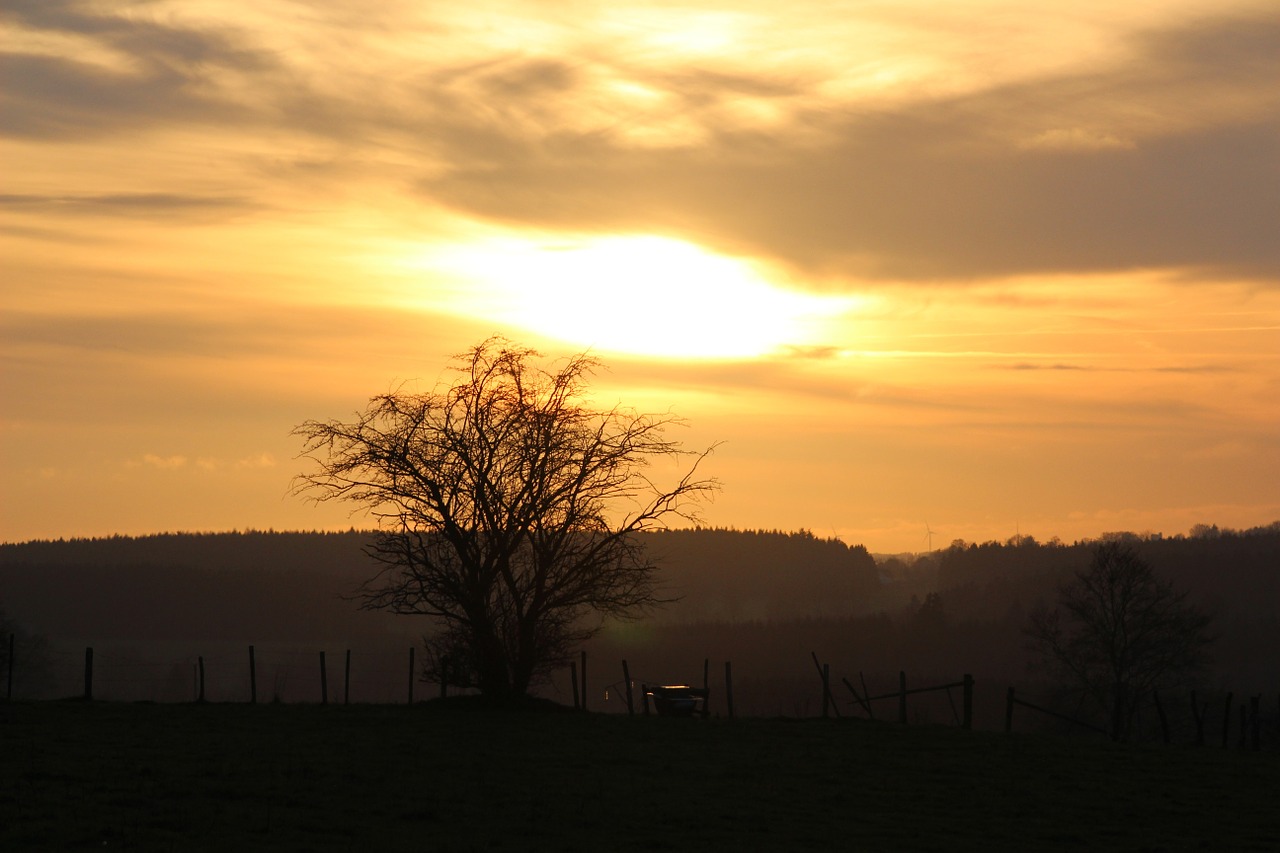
{"points": [[927, 271]]}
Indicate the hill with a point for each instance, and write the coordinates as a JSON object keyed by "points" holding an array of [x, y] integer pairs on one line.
{"points": [[764, 600]]}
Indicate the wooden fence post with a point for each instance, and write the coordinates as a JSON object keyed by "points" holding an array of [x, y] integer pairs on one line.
{"points": [[346, 680], [573, 678], [412, 673], [200, 663], [8, 692], [324, 681], [88, 672], [626, 679], [728, 686], [826, 686], [902, 696], [1008, 713], [584, 681], [706, 688], [1197, 713], [1164, 721], [253, 678], [968, 701], [1226, 721], [826, 690]]}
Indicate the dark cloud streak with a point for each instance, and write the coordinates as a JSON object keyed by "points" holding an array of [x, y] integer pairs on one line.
{"points": [[164, 205]]}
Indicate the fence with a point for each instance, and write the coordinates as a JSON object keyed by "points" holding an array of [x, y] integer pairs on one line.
{"points": [[252, 673], [1250, 716], [281, 674]]}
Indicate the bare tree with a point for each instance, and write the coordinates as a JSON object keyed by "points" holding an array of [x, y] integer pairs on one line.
{"points": [[1119, 632], [507, 509]]}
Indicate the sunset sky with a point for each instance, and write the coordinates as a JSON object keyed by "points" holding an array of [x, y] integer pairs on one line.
{"points": [[974, 269]]}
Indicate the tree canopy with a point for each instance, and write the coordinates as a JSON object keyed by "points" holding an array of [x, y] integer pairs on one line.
{"points": [[1119, 632], [508, 508]]}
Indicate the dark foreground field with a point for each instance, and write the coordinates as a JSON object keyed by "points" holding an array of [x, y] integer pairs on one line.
{"points": [[291, 777]]}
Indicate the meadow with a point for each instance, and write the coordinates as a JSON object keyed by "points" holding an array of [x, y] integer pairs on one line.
{"points": [[453, 776]]}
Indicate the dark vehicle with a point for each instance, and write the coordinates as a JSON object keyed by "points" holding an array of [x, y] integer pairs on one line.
{"points": [[678, 700]]}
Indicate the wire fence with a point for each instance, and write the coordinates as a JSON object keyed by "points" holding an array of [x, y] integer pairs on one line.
{"points": [[391, 674], [244, 673]]}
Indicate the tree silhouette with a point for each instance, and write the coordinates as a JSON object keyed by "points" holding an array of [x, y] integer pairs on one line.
{"points": [[1119, 633], [507, 509]]}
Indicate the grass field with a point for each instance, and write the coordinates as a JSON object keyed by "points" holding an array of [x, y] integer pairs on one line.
{"points": [[306, 777]]}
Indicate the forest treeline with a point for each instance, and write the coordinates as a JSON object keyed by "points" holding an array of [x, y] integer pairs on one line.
{"points": [[764, 598]]}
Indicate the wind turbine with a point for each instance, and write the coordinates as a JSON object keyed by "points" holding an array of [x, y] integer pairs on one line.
{"points": [[928, 535]]}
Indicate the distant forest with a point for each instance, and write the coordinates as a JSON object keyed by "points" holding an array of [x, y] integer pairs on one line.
{"points": [[765, 600]]}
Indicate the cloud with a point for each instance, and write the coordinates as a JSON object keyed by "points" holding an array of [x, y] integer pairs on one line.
{"points": [[165, 463], [1092, 368], [1165, 158], [144, 205], [131, 72], [1171, 160], [259, 460], [206, 464]]}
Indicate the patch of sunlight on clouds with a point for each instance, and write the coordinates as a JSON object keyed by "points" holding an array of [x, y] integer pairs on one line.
{"points": [[637, 295], [692, 34]]}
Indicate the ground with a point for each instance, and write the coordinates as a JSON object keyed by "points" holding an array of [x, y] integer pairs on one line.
{"points": [[310, 777]]}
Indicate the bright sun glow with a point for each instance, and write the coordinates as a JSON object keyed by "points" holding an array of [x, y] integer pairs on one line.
{"points": [[638, 295]]}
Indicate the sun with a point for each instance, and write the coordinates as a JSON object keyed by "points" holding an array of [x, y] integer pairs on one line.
{"points": [[637, 295]]}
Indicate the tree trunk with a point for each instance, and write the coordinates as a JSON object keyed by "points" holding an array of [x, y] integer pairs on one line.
{"points": [[492, 673]]}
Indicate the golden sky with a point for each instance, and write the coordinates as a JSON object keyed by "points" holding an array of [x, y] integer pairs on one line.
{"points": [[976, 268]]}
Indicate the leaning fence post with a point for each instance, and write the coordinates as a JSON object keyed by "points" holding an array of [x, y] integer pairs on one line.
{"points": [[1008, 713], [826, 686], [968, 701], [253, 678], [728, 686], [826, 690], [88, 672], [902, 696], [324, 681], [626, 679]]}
